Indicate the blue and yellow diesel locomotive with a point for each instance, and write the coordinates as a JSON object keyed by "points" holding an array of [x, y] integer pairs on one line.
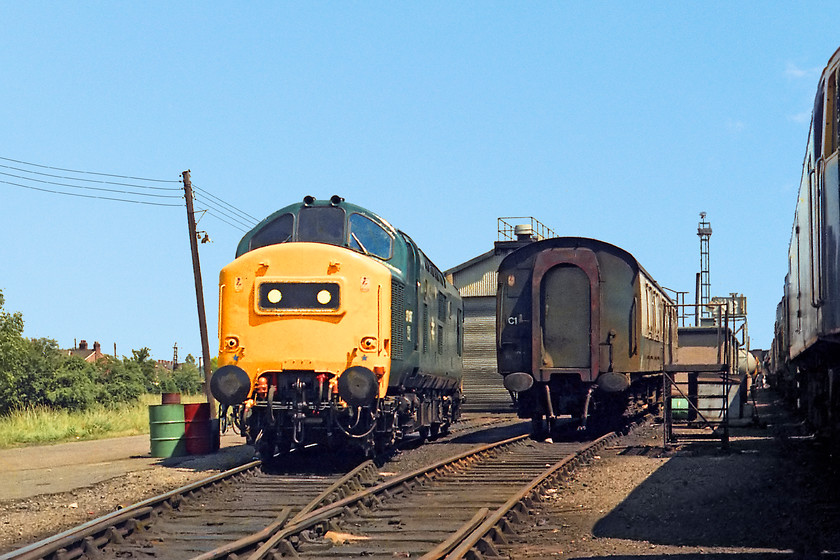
{"points": [[582, 330], [336, 329]]}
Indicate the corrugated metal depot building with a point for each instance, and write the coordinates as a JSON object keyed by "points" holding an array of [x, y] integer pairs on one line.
{"points": [[477, 280]]}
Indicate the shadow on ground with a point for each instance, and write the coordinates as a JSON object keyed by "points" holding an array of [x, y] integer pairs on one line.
{"points": [[776, 488]]}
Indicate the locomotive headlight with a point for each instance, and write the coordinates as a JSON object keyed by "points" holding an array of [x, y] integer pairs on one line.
{"points": [[279, 297]]}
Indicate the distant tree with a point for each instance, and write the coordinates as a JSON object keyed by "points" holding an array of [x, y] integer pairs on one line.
{"points": [[142, 356], [188, 378], [12, 352], [120, 380], [41, 361], [149, 369], [74, 385]]}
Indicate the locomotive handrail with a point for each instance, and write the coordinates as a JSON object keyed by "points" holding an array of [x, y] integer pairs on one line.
{"points": [[815, 245]]}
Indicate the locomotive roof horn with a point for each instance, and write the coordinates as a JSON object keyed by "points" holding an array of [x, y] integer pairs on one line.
{"points": [[335, 200], [308, 200]]}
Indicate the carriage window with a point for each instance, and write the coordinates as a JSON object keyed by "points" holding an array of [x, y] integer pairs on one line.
{"points": [[368, 237], [279, 230], [321, 224], [817, 122]]}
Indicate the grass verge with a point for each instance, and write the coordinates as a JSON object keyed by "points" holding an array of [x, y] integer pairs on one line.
{"points": [[39, 426]]}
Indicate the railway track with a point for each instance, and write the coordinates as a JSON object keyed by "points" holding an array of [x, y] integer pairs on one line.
{"points": [[452, 509], [457, 507], [458, 504], [198, 517], [225, 507]]}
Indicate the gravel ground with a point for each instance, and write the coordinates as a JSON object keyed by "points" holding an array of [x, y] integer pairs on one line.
{"points": [[774, 493], [776, 490]]}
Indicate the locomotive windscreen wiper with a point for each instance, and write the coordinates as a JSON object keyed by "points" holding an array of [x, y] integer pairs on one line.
{"points": [[361, 246]]}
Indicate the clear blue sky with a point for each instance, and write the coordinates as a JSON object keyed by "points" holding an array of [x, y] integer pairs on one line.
{"points": [[614, 120]]}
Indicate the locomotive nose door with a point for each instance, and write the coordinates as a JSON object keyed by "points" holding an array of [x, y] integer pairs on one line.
{"points": [[566, 302]]}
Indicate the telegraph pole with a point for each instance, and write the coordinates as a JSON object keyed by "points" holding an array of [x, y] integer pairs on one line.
{"points": [[199, 290]]}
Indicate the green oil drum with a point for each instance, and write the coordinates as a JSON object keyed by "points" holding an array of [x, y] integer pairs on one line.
{"points": [[198, 429], [166, 430]]}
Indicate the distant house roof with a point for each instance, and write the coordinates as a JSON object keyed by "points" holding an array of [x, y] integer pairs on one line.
{"points": [[85, 353]]}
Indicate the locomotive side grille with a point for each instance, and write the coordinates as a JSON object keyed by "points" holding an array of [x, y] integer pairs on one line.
{"points": [[441, 307], [397, 319]]}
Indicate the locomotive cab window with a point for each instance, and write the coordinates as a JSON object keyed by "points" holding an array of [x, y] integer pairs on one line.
{"points": [[831, 116], [321, 224], [368, 237], [279, 230]]}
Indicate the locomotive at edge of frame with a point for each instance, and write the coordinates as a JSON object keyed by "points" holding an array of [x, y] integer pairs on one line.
{"points": [[804, 360]]}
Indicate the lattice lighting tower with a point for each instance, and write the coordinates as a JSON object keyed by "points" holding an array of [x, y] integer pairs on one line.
{"points": [[704, 231]]}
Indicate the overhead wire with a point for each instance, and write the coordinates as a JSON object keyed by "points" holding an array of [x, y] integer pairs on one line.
{"points": [[90, 172], [234, 226], [87, 188], [89, 180], [256, 220], [88, 195], [215, 206]]}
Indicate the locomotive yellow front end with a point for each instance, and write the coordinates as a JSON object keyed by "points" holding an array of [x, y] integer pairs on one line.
{"points": [[304, 334]]}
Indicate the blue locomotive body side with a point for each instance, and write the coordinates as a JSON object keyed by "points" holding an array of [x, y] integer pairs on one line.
{"points": [[805, 354]]}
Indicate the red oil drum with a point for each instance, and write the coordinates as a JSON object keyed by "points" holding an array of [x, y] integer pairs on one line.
{"points": [[198, 429]]}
